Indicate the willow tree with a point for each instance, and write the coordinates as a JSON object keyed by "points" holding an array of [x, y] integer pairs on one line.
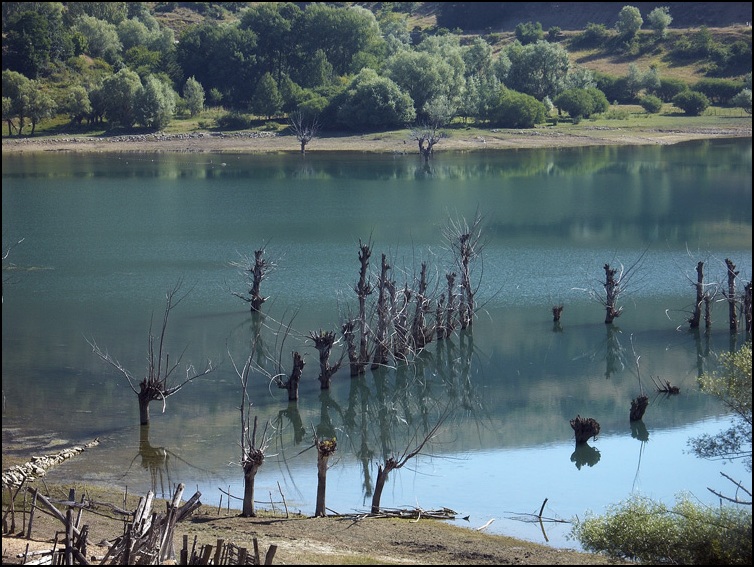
{"points": [[160, 382]]}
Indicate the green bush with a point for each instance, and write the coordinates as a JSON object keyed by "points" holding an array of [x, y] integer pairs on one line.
{"points": [[233, 121], [640, 529], [517, 110], [691, 102], [651, 104]]}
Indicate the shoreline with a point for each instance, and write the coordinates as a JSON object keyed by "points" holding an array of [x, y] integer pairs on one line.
{"points": [[396, 142]]}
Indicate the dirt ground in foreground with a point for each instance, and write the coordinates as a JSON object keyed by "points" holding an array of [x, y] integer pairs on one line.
{"points": [[335, 540]]}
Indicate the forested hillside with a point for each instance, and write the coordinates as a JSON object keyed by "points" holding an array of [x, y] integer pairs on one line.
{"points": [[364, 66]]}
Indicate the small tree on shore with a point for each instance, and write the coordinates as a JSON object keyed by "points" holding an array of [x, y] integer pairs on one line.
{"points": [[304, 127], [157, 384]]}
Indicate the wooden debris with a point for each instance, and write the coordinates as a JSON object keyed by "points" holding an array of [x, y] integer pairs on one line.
{"points": [[665, 387], [148, 540]]}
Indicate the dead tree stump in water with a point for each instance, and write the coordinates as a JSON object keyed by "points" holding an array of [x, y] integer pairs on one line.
{"points": [[638, 407], [584, 428]]}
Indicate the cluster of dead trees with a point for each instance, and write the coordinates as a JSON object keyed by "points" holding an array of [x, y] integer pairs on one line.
{"points": [[389, 326]]}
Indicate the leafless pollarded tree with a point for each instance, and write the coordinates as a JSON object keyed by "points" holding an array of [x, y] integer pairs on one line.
{"points": [[357, 329], [466, 245], [324, 342], [426, 136], [304, 127], [255, 271], [730, 295], [616, 285], [325, 449], [252, 454], [158, 383]]}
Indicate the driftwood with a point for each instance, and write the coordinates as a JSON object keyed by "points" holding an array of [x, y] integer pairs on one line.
{"points": [[148, 540], [665, 387]]}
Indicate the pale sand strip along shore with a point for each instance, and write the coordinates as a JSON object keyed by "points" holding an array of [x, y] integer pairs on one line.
{"points": [[264, 142]]}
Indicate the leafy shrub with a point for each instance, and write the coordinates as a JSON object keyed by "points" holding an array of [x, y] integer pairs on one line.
{"points": [[718, 91], [691, 102], [517, 110], [642, 530], [594, 35], [530, 32], [669, 88], [233, 121], [651, 104]]}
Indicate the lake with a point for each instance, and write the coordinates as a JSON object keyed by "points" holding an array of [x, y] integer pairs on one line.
{"points": [[105, 236]]}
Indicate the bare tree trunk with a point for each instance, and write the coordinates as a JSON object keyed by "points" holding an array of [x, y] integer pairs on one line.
{"points": [[420, 333], [400, 345], [363, 289], [249, 475], [323, 342], [325, 449], [612, 291], [379, 485], [144, 398], [260, 266], [450, 309], [732, 273], [382, 348], [350, 337], [696, 317], [295, 377]]}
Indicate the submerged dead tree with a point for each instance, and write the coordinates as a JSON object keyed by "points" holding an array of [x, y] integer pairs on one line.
{"points": [[291, 384], [324, 342], [615, 286], [731, 295], [386, 291], [255, 271], [696, 317], [157, 384], [612, 292], [358, 329], [421, 332], [465, 243]]}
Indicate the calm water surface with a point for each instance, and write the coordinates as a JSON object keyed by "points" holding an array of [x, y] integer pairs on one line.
{"points": [[105, 236]]}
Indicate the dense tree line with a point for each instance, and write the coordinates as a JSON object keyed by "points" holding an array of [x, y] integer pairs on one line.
{"points": [[114, 64]]}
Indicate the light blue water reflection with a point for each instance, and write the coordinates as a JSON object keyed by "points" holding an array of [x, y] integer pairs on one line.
{"points": [[105, 236]]}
